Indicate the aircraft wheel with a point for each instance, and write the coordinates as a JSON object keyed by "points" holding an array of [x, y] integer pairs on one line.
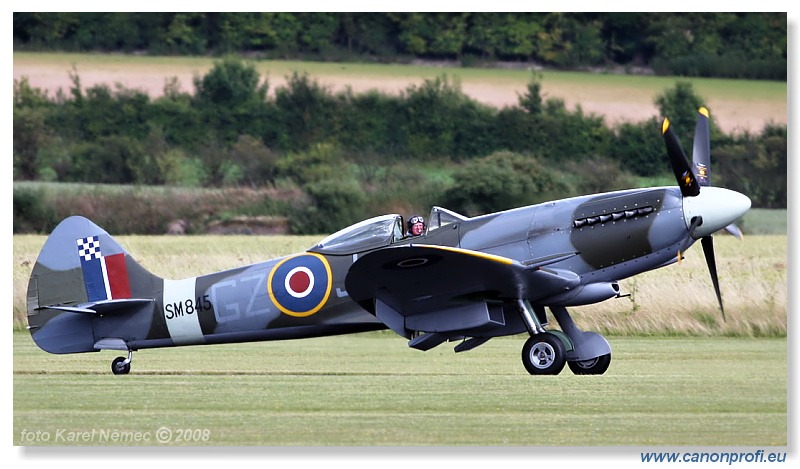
{"points": [[544, 354], [119, 367], [595, 366]]}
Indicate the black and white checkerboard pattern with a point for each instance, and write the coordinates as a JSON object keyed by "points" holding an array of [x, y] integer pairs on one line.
{"points": [[89, 248]]}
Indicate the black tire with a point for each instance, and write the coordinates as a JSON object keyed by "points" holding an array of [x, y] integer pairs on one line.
{"points": [[119, 367], [595, 366], [544, 354]]}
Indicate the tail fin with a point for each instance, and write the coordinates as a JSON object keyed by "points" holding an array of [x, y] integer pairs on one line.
{"points": [[82, 274]]}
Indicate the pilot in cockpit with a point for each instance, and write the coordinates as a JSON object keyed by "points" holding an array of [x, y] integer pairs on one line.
{"points": [[415, 225]]}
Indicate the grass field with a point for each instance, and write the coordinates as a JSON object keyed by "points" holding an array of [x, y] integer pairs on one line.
{"points": [[680, 376], [736, 104], [675, 379], [372, 390]]}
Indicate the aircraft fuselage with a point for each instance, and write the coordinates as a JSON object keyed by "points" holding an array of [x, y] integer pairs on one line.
{"points": [[616, 235]]}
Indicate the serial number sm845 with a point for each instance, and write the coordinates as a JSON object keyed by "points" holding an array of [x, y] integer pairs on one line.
{"points": [[189, 306]]}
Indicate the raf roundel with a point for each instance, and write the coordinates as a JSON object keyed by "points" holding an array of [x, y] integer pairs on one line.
{"points": [[300, 285]]}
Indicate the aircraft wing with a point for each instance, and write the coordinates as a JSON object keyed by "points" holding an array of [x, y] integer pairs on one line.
{"points": [[420, 280]]}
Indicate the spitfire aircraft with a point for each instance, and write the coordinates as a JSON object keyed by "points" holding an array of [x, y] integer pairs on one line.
{"points": [[463, 280]]}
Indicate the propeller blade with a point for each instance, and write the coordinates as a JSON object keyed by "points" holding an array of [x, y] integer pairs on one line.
{"points": [[708, 250], [680, 165], [701, 150], [734, 230]]}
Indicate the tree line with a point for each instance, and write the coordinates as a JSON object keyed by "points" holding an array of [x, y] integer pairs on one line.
{"points": [[344, 156], [733, 45]]}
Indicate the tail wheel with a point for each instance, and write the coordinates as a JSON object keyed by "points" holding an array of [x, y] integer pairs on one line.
{"points": [[544, 354], [119, 367], [594, 366]]}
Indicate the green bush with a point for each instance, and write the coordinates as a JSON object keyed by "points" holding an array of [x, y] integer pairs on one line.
{"points": [[516, 129], [639, 148], [256, 163], [756, 167], [180, 170], [26, 96], [55, 161], [680, 104], [371, 124], [599, 174], [534, 124], [334, 204], [30, 134], [100, 112], [440, 120], [32, 213], [564, 135], [231, 99], [405, 188], [180, 123], [500, 181], [323, 161], [109, 160], [305, 114]]}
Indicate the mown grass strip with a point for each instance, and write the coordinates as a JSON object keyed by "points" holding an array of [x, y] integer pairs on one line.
{"points": [[372, 390]]}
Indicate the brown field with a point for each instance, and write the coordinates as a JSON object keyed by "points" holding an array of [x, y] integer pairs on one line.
{"points": [[738, 105]]}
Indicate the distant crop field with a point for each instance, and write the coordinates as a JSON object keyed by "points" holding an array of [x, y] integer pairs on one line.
{"points": [[737, 105], [372, 390]]}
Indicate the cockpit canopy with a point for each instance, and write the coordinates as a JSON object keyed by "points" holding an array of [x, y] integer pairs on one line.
{"points": [[363, 236], [379, 232], [441, 217]]}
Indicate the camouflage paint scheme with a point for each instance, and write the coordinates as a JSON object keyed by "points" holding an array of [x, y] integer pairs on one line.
{"points": [[464, 279]]}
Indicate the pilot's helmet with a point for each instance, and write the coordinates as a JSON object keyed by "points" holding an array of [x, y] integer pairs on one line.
{"points": [[416, 225]]}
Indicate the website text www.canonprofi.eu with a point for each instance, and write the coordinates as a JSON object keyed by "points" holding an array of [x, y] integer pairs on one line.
{"points": [[729, 457]]}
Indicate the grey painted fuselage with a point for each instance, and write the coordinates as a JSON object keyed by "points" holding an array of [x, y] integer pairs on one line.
{"points": [[600, 238]]}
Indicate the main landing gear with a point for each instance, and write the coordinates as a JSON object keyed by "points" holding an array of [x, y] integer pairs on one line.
{"points": [[593, 366], [122, 365], [546, 352]]}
